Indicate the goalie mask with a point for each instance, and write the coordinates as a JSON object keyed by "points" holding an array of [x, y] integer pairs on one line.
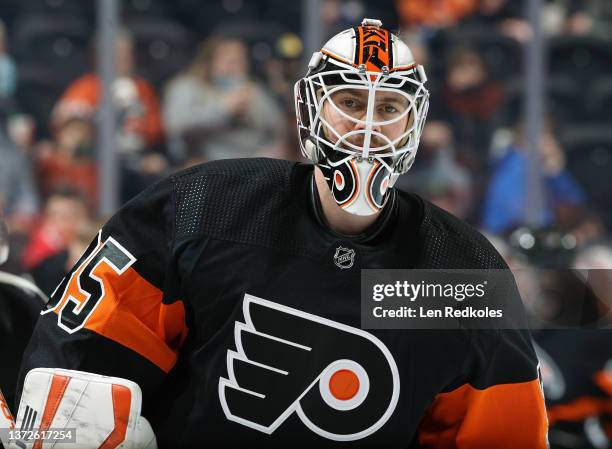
{"points": [[360, 112]]}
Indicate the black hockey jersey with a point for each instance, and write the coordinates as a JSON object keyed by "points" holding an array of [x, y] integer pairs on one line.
{"points": [[220, 291]]}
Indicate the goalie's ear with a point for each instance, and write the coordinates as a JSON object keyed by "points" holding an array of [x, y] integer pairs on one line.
{"points": [[94, 411]]}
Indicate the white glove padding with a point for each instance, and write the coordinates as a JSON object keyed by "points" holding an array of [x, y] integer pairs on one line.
{"points": [[102, 412]]}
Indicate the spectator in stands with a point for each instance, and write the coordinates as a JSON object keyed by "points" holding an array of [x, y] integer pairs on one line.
{"points": [[505, 16], [69, 160], [587, 227], [139, 134], [338, 15], [506, 196], [283, 68], [65, 212], [471, 102], [21, 130], [438, 14], [18, 197], [215, 110], [17, 190], [134, 98], [588, 18], [8, 69], [50, 271]]}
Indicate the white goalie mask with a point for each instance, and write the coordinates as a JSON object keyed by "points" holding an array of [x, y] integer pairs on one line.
{"points": [[360, 113]]}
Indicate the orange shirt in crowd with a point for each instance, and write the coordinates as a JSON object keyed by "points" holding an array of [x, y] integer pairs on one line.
{"points": [[82, 98], [434, 13], [56, 172]]}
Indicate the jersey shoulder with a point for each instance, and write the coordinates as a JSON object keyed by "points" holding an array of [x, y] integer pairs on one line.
{"points": [[243, 200], [449, 242], [255, 168]]}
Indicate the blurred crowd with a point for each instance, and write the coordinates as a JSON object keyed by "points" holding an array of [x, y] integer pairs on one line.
{"points": [[199, 83], [196, 84]]}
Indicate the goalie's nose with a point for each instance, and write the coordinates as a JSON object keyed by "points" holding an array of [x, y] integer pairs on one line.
{"points": [[363, 125]]}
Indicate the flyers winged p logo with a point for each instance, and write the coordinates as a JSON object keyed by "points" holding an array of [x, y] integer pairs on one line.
{"points": [[342, 382]]}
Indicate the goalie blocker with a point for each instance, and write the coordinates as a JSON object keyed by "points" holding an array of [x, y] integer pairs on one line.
{"points": [[102, 412]]}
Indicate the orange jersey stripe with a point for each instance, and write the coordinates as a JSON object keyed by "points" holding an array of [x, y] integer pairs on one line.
{"points": [[131, 313], [506, 416]]}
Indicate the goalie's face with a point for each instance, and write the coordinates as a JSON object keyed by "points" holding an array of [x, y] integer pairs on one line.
{"points": [[350, 117], [366, 123], [363, 127], [360, 112]]}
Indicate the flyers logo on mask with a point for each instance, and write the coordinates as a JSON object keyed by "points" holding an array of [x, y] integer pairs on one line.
{"points": [[340, 381]]}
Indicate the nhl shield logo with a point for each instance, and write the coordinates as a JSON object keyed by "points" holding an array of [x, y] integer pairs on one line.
{"points": [[344, 257]]}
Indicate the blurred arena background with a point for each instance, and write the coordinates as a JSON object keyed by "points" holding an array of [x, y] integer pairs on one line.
{"points": [[518, 140]]}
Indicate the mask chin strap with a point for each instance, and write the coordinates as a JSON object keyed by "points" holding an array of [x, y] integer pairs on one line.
{"points": [[312, 151]]}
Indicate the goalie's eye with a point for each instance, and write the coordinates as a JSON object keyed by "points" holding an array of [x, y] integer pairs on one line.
{"points": [[389, 109], [350, 104], [391, 105], [350, 101]]}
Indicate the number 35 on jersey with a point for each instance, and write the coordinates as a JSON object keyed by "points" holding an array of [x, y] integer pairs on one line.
{"points": [[83, 289]]}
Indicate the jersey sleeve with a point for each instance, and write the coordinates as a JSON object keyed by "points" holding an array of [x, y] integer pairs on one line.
{"points": [[501, 405], [118, 312]]}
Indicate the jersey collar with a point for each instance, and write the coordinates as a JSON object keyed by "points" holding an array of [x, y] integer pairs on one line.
{"points": [[378, 229]]}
